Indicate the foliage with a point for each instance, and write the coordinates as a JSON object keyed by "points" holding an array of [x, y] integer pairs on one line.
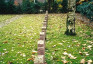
{"points": [[36, 8], [2, 6], [86, 9], [31, 7], [55, 7], [10, 7], [64, 3], [25, 7]]}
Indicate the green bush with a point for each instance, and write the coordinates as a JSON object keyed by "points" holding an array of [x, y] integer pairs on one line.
{"points": [[54, 7], [2, 6], [7, 7], [36, 8], [10, 7], [86, 9]]}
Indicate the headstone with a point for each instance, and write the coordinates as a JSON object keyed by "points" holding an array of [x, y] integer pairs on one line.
{"points": [[41, 50], [45, 24], [41, 43], [44, 29], [42, 35]]}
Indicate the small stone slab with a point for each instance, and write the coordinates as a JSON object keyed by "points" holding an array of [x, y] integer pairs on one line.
{"points": [[40, 59], [45, 23], [41, 43], [45, 20], [46, 16], [43, 29], [41, 50], [42, 35]]}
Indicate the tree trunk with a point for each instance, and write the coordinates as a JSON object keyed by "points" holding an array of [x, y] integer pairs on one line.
{"points": [[70, 24]]}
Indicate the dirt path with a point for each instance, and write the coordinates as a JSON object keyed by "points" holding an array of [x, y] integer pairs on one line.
{"points": [[6, 22]]}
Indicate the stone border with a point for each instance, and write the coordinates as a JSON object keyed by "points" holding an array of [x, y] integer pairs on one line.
{"points": [[40, 58]]}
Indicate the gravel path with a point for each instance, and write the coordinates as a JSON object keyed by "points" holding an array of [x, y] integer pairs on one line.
{"points": [[6, 22]]}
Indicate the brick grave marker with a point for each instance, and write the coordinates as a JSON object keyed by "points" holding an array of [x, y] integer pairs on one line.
{"points": [[40, 58]]}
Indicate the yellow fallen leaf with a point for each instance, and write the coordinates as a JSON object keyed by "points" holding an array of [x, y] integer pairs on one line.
{"points": [[30, 59], [34, 52], [64, 61]]}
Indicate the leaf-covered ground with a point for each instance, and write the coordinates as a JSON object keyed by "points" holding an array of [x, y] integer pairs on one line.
{"points": [[61, 48], [18, 40], [5, 17]]}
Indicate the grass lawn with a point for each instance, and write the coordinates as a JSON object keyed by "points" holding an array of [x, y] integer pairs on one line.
{"points": [[61, 48], [19, 39], [5, 17]]}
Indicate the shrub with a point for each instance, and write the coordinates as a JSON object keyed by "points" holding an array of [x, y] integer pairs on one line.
{"points": [[2, 6], [10, 7], [86, 9]]}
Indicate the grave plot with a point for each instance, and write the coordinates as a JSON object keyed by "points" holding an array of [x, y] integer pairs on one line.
{"points": [[18, 40], [5, 17], [62, 49]]}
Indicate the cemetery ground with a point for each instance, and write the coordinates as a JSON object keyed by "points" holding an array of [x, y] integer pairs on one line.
{"points": [[18, 41], [5, 17]]}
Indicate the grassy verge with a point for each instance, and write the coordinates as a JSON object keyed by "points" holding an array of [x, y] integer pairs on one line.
{"points": [[5, 17], [19, 39], [61, 48]]}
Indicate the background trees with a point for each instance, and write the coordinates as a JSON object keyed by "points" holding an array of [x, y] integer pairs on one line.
{"points": [[53, 6]]}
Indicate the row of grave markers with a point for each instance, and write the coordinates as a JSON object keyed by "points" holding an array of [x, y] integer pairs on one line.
{"points": [[40, 58]]}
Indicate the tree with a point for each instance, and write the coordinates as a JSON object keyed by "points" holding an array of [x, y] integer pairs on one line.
{"points": [[10, 7], [26, 6], [70, 24], [64, 4], [2, 6]]}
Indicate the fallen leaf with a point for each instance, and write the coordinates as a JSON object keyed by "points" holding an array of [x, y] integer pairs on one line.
{"points": [[64, 61], [34, 52], [30, 59], [83, 48], [5, 42], [82, 61], [80, 53], [10, 62], [63, 57], [65, 53], [71, 56], [89, 61], [54, 46]]}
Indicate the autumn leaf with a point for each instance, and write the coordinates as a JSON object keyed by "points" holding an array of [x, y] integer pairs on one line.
{"points": [[65, 61], [5, 42], [82, 61]]}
